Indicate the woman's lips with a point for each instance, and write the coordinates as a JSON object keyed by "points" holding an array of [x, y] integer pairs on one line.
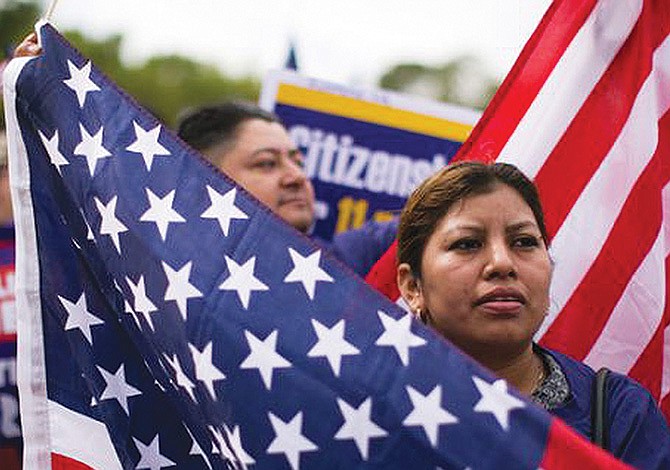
{"points": [[502, 301], [502, 307]]}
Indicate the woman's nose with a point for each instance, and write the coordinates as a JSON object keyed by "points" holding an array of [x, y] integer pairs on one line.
{"points": [[500, 263]]}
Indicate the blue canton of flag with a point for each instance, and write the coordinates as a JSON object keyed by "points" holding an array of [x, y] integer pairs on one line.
{"points": [[169, 319]]}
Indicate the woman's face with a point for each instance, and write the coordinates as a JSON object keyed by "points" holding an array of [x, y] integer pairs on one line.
{"points": [[485, 274]]}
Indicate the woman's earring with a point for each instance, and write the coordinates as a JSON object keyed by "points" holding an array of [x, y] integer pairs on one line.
{"points": [[421, 315]]}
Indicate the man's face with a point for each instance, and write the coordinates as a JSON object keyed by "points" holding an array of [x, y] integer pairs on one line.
{"points": [[266, 163]]}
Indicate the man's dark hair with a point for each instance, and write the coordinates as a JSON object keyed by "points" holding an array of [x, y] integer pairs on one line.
{"points": [[208, 126]]}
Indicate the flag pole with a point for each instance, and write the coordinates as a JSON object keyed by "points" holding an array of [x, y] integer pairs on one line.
{"points": [[50, 10]]}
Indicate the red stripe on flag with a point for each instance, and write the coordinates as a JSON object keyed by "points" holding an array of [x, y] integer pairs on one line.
{"points": [[8, 338], [10, 458], [625, 248], [567, 451], [60, 462], [598, 123], [553, 35], [648, 369]]}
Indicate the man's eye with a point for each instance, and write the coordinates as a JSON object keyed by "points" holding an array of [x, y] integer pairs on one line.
{"points": [[299, 161], [266, 164], [526, 242], [466, 244], [297, 157]]}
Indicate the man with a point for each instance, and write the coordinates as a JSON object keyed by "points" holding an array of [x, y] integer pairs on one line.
{"points": [[251, 146]]}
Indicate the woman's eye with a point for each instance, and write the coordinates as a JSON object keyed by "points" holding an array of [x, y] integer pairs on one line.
{"points": [[526, 242], [466, 244]]}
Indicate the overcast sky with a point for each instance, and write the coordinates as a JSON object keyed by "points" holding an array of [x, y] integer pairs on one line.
{"points": [[345, 41]]}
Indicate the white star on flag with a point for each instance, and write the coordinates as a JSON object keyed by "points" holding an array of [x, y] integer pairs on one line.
{"points": [[236, 443], [197, 450], [146, 143], [242, 280], [80, 81], [55, 155], [128, 309], [161, 212], [205, 370], [89, 232], [289, 439], [331, 344], [143, 303], [91, 147], [226, 451], [307, 271], [150, 456], [79, 317], [126, 306], [110, 224], [264, 357], [398, 334], [223, 209], [117, 387], [180, 376], [428, 412], [496, 400], [179, 288], [358, 425]]}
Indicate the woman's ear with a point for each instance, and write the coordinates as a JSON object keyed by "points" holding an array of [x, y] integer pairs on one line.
{"points": [[410, 288]]}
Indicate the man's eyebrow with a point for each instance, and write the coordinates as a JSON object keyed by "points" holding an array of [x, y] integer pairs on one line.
{"points": [[266, 149], [275, 150]]}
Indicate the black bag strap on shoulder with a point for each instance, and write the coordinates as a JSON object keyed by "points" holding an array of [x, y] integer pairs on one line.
{"points": [[599, 423]]}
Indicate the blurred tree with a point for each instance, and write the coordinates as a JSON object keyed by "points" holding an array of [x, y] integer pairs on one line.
{"points": [[461, 81], [165, 85], [169, 84]]}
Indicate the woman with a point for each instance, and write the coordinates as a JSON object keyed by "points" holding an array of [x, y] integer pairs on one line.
{"points": [[474, 265]]}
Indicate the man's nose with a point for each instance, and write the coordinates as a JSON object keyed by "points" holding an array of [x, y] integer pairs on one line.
{"points": [[293, 173], [500, 262]]}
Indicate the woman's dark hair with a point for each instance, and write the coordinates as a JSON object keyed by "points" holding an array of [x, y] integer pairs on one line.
{"points": [[428, 204], [209, 126]]}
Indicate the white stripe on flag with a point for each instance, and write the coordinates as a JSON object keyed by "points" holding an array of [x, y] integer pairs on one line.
{"points": [[665, 358], [590, 52], [81, 438], [609, 187], [31, 372], [665, 378], [635, 318]]}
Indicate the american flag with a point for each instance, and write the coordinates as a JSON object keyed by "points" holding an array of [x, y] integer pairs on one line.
{"points": [[584, 112], [168, 319]]}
